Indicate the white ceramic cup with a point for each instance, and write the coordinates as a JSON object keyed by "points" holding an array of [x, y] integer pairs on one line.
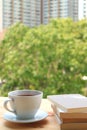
{"points": [[23, 103]]}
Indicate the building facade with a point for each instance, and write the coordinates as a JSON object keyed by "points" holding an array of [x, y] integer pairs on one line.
{"points": [[36, 12]]}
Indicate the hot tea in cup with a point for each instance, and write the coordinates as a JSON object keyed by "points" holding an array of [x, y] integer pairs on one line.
{"points": [[24, 103]]}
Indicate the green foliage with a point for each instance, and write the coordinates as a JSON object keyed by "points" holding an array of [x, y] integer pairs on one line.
{"points": [[51, 58]]}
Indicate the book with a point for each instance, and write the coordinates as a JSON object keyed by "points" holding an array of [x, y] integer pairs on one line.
{"points": [[71, 126], [67, 118], [69, 102], [68, 115]]}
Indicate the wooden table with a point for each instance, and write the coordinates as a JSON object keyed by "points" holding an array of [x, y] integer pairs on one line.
{"points": [[49, 123]]}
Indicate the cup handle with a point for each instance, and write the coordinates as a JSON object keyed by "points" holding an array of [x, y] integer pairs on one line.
{"points": [[6, 105]]}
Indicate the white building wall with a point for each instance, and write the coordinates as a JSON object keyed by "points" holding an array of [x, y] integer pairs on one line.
{"points": [[63, 8], [53, 8], [45, 15], [82, 10], [7, 13], [1, 16]]}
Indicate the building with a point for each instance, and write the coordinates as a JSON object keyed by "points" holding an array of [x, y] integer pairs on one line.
{"points": [[36, 12], [78, 9]]}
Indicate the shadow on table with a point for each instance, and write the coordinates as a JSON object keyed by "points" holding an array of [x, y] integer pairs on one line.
{"points": [[39, 124]]}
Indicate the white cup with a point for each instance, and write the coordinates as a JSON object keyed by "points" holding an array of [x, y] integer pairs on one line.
{"points": [[24, 103]]}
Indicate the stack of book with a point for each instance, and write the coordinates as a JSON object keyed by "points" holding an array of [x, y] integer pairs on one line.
{"points": [[70, 111]]}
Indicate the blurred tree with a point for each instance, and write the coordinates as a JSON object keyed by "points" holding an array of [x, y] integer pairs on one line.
{"points": [[51, 58]]}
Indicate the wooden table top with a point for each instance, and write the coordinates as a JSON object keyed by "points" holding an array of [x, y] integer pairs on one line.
{"points": [[49, 123]]}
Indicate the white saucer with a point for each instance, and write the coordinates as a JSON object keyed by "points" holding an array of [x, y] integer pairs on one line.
{"points": [[38, 117]]}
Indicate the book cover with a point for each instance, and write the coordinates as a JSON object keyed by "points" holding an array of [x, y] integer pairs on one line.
{"points": [[69, 102]]}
